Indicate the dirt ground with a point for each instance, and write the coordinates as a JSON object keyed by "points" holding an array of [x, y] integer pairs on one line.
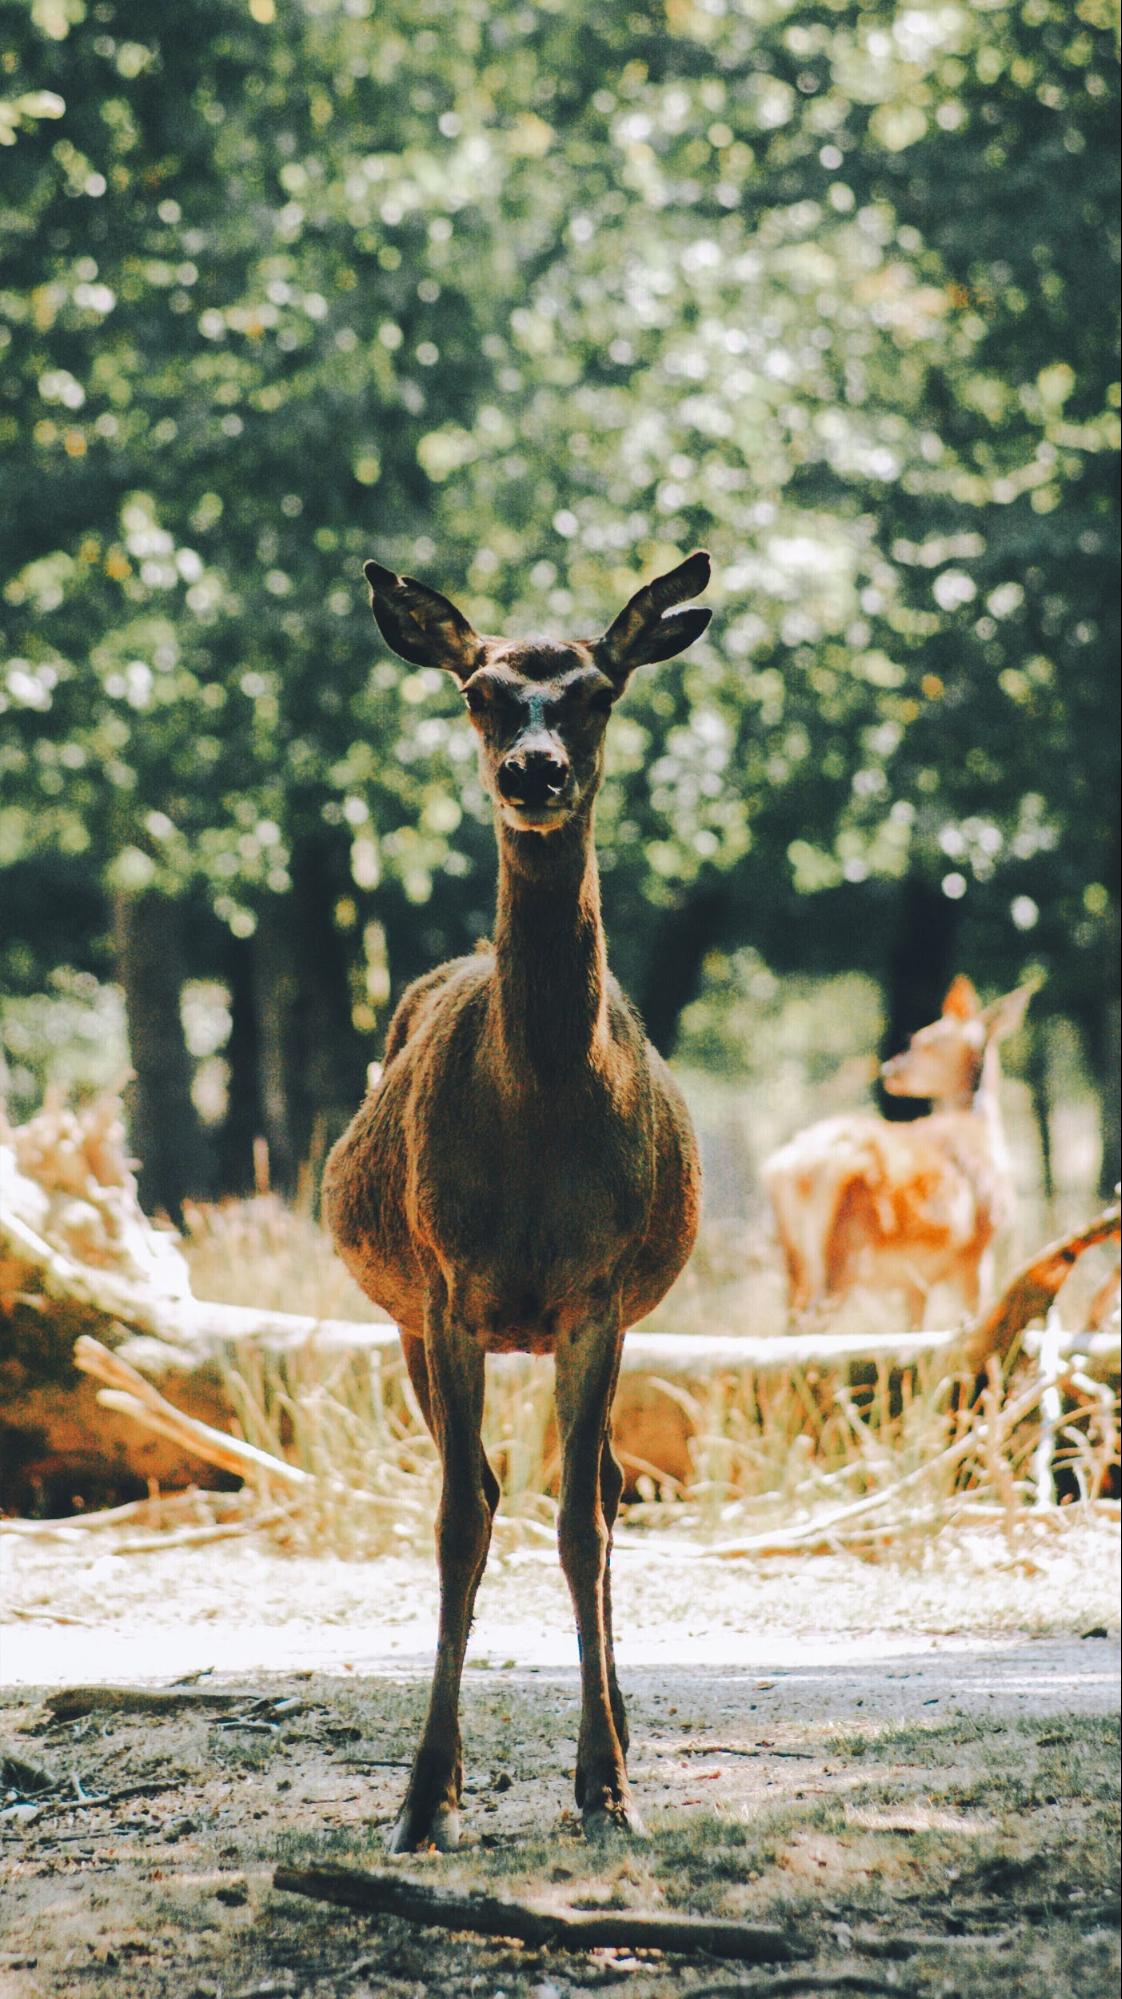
{"points": [[913, 1770]]}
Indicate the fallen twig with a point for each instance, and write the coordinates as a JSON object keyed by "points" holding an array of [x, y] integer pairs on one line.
{"points": [[132, 1395], [810, 1981], [149, 1512], [533, 1923], [728, 1749], [907, 1943], [95, 1800], [194, 1537], [129, 1392]]}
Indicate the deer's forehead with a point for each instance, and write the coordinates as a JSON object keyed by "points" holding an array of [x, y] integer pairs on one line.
{"points": [[948, 1032], [537, 659], [532, 671]]}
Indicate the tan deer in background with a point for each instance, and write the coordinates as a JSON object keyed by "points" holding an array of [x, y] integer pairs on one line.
{"points": [[524, 1175], [860, 1203]]}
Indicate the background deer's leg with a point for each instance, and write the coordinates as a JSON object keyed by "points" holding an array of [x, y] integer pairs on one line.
{"points": [[447, 1376], [587, 1363]]}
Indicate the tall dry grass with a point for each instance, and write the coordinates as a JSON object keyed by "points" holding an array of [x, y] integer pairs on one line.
{"points": [[877, 1460]]}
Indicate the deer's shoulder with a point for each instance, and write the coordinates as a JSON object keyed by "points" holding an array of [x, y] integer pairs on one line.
{"points": [[445, 986]]}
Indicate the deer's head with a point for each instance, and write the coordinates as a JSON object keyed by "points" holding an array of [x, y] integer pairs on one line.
{"points": [[945, 1061], [540, 706]]}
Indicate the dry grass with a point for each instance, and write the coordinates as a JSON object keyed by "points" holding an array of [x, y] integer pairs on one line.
{"points": [[264, 1253], [780, 1463]]}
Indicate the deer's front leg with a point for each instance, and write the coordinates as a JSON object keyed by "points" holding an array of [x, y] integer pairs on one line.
{"points": [[611, 1490], [447, 1374], [587, 1364]]}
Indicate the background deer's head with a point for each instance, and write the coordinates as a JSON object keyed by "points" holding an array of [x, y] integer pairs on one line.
{"points": [[540, 706], [946, 1060]]}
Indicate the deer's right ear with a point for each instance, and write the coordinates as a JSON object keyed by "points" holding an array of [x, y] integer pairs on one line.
{"points": [[421, 625]]}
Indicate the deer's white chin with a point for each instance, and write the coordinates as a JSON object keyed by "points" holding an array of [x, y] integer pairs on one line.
{"points": [[547, 819]]}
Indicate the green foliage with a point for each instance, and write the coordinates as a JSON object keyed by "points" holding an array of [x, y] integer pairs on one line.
{"points": [[71, 1037], [532, 302]]}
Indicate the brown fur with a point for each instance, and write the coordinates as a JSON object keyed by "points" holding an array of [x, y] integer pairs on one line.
{"points": [[524, 1175], [860, 1203]]}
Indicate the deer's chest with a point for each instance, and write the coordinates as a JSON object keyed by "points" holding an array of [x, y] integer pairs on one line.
{"points": [[534, 1207]]}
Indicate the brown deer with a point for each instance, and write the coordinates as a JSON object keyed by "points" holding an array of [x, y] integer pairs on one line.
{"points": [[524, 1175], [860, 1202]]}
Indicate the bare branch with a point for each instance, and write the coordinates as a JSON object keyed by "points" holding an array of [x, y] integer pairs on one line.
{"points": [[567, 1929]]}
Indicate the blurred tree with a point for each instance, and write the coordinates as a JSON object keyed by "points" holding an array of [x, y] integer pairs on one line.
{"points": [[532, 303], [215, 350]]}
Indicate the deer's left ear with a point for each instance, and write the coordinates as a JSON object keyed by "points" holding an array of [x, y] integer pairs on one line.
{"points": [[644, 632], [962, 1001], [421, 625], [1004, 1016]]}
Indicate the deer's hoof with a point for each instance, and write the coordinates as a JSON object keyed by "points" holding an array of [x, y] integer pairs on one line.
{"points": [[415, 1830], [613, 1818]]}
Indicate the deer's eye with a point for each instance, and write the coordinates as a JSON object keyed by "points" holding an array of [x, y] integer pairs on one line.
{"points": [[477, 699]]}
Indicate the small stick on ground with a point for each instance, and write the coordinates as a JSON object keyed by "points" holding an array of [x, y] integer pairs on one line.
{"points": [[811, 1982], [159, 1507], [97, 1800], [731, 1749], [566, 1929]]}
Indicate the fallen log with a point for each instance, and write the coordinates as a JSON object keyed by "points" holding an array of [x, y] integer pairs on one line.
{"points": [[386, 1894], [79, 1258], [71, 1703], [1030, 1294]]}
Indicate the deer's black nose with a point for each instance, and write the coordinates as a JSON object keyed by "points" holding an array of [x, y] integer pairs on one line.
{"points": [[533, 778]]}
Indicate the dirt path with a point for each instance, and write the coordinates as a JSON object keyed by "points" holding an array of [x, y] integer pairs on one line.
{"points": [[865, 1754]]}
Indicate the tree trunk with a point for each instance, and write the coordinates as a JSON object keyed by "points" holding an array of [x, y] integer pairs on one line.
{"points": [[921, 967], [1040, 1088], [245, 1110], [1110, 1072], [672, 977], [164, 1128], [312, 1060], [1106, 1035]]}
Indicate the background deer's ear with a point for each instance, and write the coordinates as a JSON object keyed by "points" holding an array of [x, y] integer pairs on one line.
{"points": [[962, 1001], [421, 625], [1004, 1016], [642, 633]]}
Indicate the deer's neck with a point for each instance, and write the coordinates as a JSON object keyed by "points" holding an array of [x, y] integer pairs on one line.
{"points": [[550, 956], [987, 1096], [981, 1101]]}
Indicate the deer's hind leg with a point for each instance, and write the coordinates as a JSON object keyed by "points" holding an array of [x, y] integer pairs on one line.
{"points": [[587, 1362], [447, 1375]]}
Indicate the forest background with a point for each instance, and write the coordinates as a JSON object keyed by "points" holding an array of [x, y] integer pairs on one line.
{"points": [[531, 299]]}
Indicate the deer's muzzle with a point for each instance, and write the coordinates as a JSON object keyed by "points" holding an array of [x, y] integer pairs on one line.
{"points": [[534, 779]]}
